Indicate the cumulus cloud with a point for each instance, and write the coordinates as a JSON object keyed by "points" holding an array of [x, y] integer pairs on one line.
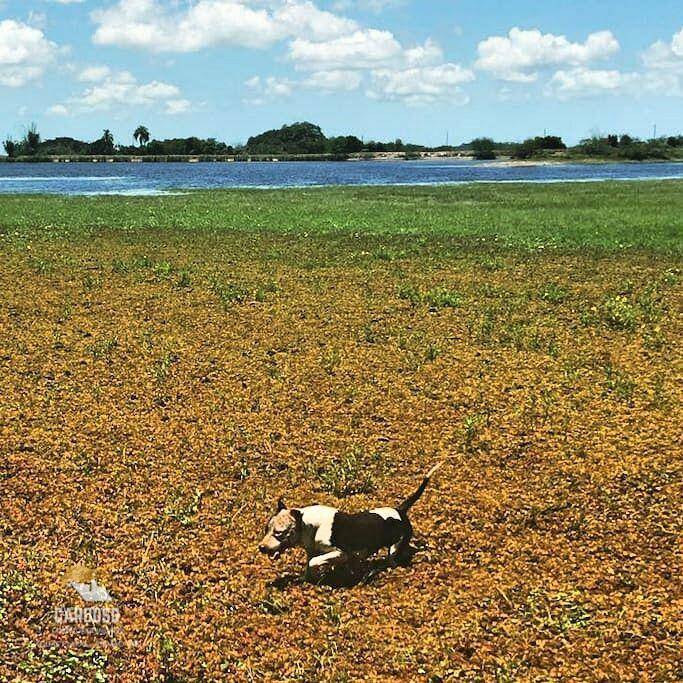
{"points": [[25, 53], [421, 85], [123, 89], [180, 106], [677, 44], [58, 110], [363, 49], [337, 52], [263, 90], [582, 82], [334, 81], [94, 74], [422, 55], [663, 56], [662, 75], [150, 25], [109, 89], [517, 56], [376, 6]]}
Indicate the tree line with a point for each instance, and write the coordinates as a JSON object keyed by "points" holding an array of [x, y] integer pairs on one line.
{"points": [[304, 138]]}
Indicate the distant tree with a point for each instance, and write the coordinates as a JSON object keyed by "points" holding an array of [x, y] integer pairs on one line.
{"points": [[108, 140], [345, 144], [64, 146], [141, 135], [483, 148], [538, 144], [299, 138], [105, 145], [32, 139], [594, 147], [625, 140], [10, 147], [675, 141], [525, 150], [553, 142], [613, 140]]}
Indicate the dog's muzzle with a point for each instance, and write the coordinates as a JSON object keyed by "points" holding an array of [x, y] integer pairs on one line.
{"points": [[273, 553]]}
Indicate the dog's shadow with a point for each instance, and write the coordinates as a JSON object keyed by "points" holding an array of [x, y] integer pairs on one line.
{"points": [[360, 572]]}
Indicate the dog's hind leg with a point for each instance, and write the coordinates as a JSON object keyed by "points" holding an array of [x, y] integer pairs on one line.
{"points": [[400, 551]]}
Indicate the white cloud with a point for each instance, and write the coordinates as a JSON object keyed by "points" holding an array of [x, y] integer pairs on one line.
{"points": [[25, 53], [414, 75], [582, 82], [663, 56], [337, 51], [109, 90], [305, 19], [334, 81], [421, 85], [517, 56], [363, 49], [180, 106], [58, 110], [67, 2], [93, 74], [423, 55], [662, 76], [147, 24], [264, 90], [677, 44], [267, 89], [376, 6]]}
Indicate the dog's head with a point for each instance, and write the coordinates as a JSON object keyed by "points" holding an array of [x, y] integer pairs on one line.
{"points": [[283, 531]]}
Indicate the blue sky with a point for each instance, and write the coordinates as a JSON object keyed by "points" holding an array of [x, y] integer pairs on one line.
{"points": [[414, 69]]}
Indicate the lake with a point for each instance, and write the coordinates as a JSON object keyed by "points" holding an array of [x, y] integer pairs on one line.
{"points": [[156, 178]]}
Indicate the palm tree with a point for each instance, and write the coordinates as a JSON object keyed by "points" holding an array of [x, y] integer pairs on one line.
{"points": [[32, 138], [10, 147], [108, 141], [141, 135]]}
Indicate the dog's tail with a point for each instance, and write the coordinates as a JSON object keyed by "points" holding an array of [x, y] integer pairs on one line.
{"points": [[414, 497]]}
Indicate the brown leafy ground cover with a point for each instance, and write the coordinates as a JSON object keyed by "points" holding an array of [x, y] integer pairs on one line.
{"points": [[158, 393]]}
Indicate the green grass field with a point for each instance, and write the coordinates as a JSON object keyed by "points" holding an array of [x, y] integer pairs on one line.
{"points": [[602, 216]]}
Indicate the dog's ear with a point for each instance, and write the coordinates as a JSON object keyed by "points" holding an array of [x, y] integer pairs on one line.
{"points": [[298, 518], [281, 505]]}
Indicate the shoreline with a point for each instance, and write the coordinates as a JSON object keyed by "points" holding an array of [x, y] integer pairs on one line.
{"points": [[499, 162]]}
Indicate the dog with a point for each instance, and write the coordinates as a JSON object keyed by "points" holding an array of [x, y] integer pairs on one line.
{"points": [[331, 537]]}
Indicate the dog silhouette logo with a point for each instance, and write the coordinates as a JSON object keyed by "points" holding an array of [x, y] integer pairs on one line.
{"points": [[82, 580]]}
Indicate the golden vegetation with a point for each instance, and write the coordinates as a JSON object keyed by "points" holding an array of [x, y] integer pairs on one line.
{"points": [[157, 394]]}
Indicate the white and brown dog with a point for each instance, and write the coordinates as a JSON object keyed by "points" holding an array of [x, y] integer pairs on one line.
{"points": [[331, 537]]}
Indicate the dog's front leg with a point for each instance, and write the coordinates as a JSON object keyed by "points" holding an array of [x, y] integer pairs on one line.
{"points": [[318, 565]]}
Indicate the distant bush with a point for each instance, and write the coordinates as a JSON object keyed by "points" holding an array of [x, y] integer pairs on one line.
{"points": [[483, 148], [533, 146], [624, 147]]}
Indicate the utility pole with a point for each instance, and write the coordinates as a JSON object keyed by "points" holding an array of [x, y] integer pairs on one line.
{"points": [[654, 136]]}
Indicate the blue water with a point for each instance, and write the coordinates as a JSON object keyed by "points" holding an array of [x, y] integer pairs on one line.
{"points": [[154, 178]]}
